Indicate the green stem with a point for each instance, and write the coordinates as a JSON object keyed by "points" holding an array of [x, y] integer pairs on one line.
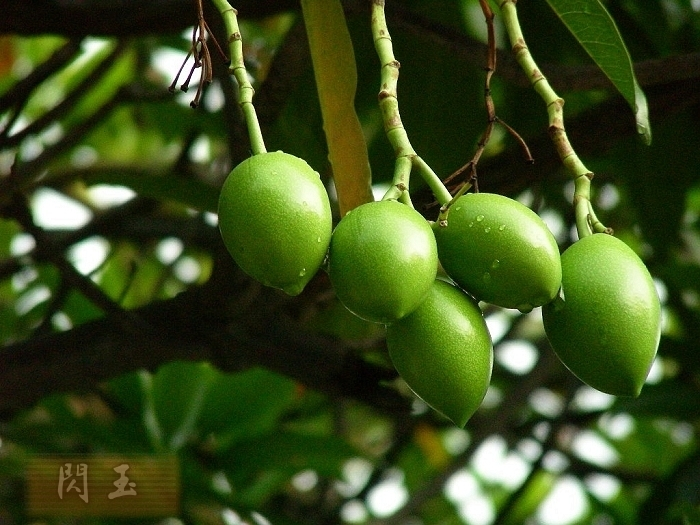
{"points": [[581, 175], [442, 194], [401, 179], [237, 68], [389, 106]]}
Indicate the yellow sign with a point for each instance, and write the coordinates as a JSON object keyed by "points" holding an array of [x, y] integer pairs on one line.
{"points": [[103, 485]]}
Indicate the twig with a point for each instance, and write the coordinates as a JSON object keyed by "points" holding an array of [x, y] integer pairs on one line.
{"points": [[24, 175], [19, 94], [199, 50], [491, 118], [406, 156], [586, 220], [67, 104], [18, 209]]}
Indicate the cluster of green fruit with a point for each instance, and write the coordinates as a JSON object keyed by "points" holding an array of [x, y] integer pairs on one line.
{"points": [[600, 309]]}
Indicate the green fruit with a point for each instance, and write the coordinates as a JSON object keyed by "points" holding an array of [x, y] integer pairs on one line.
{"points": [[606, 326], [382, 260], [275, 220], [444, 353], [500, 251]]}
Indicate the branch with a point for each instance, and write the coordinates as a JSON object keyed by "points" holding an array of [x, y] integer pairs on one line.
{"points": [[594, 132], [564, 78], [117, 18], [230, 321]]}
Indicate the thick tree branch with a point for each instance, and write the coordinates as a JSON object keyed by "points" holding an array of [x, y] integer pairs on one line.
{"points": [[118, 17], [247, 330], [125, 18]]}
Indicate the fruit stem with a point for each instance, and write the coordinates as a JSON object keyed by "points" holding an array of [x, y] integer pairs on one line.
{"points": [[585, 217], [335, 72], [237, 68], [402, 175], [442, 194], [389, 106]]}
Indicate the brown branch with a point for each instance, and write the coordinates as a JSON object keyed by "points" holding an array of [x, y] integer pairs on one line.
{"points": [[63, 107], [123, 18], [163, 17], [192, 327], [21, 91]]}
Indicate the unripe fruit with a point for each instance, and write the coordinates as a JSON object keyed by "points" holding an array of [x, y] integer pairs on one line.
{"points": [[444, 353], [606, 326], [500, 251], [382, 260], [275, 220]]}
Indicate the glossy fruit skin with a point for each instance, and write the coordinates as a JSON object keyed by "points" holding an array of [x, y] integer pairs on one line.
{"points": [[275, 220], [382, 260], [606, 329], [500, 251], [443, 351]]}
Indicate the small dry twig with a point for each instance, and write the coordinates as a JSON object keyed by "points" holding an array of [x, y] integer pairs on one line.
{"points": [[202, 58], [470, 167]]}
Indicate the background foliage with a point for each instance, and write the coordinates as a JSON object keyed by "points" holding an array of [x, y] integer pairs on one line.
{"points": [[126, 327]]}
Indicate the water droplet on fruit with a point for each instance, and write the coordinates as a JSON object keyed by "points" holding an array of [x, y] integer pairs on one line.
{"points": [[479, 218], [525, 308], [471, 224], [495, 264], [487, 229], [458, 208], [318, 239], [501, 227], [486, 277], [302, 273]]}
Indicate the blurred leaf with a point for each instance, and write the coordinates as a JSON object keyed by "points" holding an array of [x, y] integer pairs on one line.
{"points": [[657, 178], [536, 491], [126, 393], [672, 399], [288, 453], [238, 406], [651, 449], [691, 515], [191, 192], [178, 393], [9, 324], [8, 230], [442, 511], [80, 309], [592, 26]]}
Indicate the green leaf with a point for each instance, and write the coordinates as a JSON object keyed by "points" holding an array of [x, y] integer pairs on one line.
{"points": [[288, 453], [672, 399], [244, 404], [178, 394], [595, 30]]}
